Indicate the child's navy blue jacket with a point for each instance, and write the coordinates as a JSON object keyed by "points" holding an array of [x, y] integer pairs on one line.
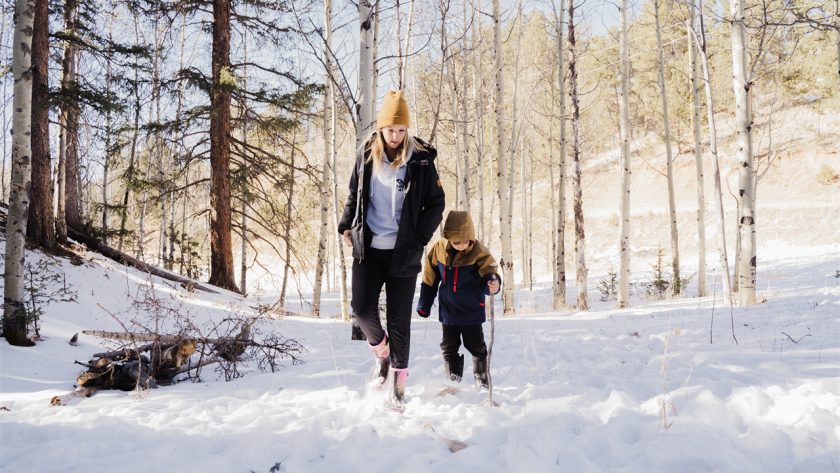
{"points": [[460, 278]]}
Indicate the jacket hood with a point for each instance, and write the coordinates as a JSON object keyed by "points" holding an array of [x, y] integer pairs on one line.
{"points": [[422, 150], [458, 227]]}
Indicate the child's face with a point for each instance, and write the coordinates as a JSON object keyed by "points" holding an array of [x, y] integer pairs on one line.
{"points": [[460, 245]]}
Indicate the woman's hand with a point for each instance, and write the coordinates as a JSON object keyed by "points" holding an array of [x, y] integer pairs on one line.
{"points": [[345, 237]]}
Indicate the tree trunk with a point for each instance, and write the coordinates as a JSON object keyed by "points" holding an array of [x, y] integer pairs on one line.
{"points": [[718, 200], [180, 139], [244, 192], [109, 131], [221, 246], [367, 67], [69, 210], [345, 298], [676, 281], [837, 27], [580, 237], [72, 192], [746, 169], [502, 185], [698, 155], [326, 186], [40, 227], [4, 107], [624, 132], [515, 128], [559, 292], [478, 104], [132, 155], [61, 201], [144, 198], [14, 310], [287, 237]]}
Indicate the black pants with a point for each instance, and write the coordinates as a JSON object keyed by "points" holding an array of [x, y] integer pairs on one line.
{"points": [[368, 278], [473, 336]]}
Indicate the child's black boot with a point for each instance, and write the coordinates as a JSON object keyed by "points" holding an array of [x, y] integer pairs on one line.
{"points": [[480, 372], [454, 368]]}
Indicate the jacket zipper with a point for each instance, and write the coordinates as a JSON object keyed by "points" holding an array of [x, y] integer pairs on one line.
{"points": [[455, 281]]}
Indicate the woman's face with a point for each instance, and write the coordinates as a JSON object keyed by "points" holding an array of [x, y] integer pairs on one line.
{"points": [[394, 135]]}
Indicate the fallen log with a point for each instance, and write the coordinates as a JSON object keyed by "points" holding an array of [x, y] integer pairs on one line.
{"points": [[122, 258]]}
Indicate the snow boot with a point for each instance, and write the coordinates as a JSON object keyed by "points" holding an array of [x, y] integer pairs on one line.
{"points": [[480, 372], [400, 378], [382, 355], [454, 368]]}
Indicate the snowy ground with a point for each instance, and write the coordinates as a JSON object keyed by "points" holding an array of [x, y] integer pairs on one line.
{"points": [[637, 390]]}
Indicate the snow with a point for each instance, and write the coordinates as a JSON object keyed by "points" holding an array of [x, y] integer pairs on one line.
{"points": [[607, 390]]}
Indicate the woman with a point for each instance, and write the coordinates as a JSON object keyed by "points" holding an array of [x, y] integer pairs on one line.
{"points": [[398, 203]]}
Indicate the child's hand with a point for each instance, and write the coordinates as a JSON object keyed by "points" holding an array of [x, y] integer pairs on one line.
{"points": [[493, 285]]}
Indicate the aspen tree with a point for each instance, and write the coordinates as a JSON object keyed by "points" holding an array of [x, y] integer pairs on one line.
{"points": [[326, 185], [367, 72], [746, 169], [624, 132], [502, 184], [698, 154], [580, 235], [559, 292], [700, 44], [14, 310], [676, 281]]}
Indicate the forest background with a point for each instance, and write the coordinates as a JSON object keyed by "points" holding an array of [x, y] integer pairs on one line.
{"points": [[215, 139]]}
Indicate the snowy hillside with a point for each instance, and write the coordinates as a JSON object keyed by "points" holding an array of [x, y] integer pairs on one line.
{"points": [[637, 390]]}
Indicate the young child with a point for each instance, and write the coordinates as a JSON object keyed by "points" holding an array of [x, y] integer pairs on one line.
{"points": [[462, 271]]}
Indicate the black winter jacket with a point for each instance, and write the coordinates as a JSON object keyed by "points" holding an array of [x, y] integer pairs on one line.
{"points": [[422, 209]]}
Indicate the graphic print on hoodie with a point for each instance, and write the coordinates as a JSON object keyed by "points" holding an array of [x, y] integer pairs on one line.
{"points": [[387, 193]]}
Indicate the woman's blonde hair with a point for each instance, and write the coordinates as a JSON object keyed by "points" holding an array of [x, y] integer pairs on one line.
{"points": [[376, 146]]}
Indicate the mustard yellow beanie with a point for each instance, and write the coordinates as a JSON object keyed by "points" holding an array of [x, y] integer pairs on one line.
{"points": [[394, 110]]}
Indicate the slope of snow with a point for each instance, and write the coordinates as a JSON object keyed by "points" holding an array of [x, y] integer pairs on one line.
{"points": [[608, 390]]}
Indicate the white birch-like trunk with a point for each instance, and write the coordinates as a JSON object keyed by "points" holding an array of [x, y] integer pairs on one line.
{"points": [[559, 292], [14, 310], [462, 102], [478, 105], [746, 169], [525, 216], [3, 141], [367, 98], [344, 293], [698, 154], [287, 237], [515, 127], [700, 43], [321, 263], [402, 64], [461, 169], [580, 235], [624, 132], [837, 27], [676, 281], [502, 184]]}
